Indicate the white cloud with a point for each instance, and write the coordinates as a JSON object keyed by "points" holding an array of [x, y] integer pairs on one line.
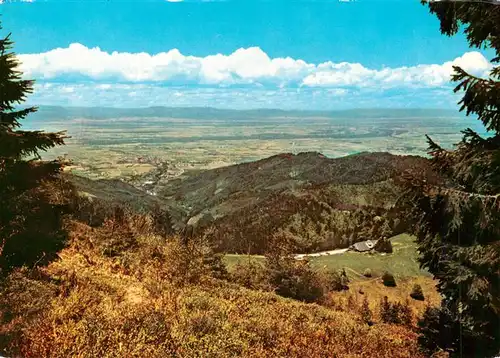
{"points": [[245, 66], [330, 74]]}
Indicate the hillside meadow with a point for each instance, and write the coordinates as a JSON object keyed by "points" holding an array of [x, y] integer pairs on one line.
{"points": [[402, 263], [121, 289]]}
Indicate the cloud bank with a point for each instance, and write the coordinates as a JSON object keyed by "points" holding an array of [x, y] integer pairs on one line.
{"points": [[247, 78], [245, 66]]}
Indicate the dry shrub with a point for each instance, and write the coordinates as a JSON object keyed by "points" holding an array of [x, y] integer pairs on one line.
{"points": [[215, 264], [24, 294], [173, 261], [296, 279], [97, 330], [290, 277], [251, 275], [89, 210], [396, 312]]}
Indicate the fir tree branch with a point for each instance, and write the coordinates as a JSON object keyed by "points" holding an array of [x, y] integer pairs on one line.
{"points": [[433, 146], [435, 190], [472, 137], [482, 97], [11, 119]]}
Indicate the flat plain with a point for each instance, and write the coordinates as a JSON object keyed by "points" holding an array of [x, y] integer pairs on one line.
{"points": [[112, 143]]}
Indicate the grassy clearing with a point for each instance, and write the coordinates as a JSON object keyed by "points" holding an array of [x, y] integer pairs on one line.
{"points": [[402, 263]]}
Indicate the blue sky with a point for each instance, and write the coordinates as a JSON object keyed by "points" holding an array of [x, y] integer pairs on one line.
{"points": [[237, 54]]}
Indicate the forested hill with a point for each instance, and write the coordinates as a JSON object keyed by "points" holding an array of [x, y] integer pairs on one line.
{"points": [[322, 202]]}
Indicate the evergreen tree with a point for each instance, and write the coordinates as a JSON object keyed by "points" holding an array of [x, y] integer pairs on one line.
{"points": [[385, 309], [406, 313], [457, 210], [30, 216], [366, 313]]}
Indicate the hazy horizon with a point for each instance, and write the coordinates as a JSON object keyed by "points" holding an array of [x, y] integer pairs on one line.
{"points": [[446, 109]]}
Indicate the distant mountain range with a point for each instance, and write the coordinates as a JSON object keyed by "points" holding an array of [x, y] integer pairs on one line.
{"points": [[55, 112]]}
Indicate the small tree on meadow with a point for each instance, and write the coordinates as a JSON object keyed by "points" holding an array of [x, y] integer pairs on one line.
{"points": [[417, 293], [406, 314], [385, 310], [388, 279], [366, 313]]}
